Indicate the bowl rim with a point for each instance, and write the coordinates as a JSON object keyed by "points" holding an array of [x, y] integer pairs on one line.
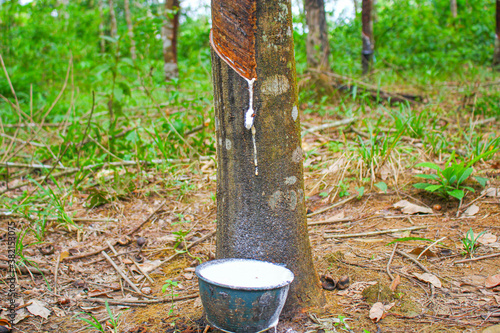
{"points": [[219, 261]]}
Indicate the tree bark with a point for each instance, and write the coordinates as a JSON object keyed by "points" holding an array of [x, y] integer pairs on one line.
{"points": [[101, 26], [318, 48], [130, 30], [453, 8], [367, 35], [496, 54], [261, 211], [112, 15], [169, 37]]}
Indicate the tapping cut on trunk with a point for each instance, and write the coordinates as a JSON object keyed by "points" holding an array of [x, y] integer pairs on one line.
{"points": [[233, 35]]}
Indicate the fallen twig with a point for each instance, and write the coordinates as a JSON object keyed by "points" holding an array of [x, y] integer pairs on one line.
{"points": [[401, 253], [131, 232], [24, 269], [125, 277], [142, 301], [331, 221], [56, 272], [428, 247], [70, 171], [373, 233], [178, 253], [342, 122], [478, 258], [374, 90], [340, 203], [388, 267]]}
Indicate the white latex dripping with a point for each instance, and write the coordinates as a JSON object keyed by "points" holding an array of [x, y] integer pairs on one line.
{"points": [[249, 117], [250, 114]]}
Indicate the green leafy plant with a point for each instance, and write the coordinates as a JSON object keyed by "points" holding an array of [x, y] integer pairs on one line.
{"points": [[470, 242], [169, 286], [382, 186], [450, 181], [96, 323], [93, 322], [112, 319]]}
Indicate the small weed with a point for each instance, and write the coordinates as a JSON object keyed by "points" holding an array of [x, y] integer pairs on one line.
{"points": [[96, 324], [169, 286], [112, 320], [382, 186], [451, 179], [361, 191], [470, 243]]}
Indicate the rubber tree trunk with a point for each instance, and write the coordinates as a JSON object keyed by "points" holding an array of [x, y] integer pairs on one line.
{"points": [[112, 15], [260, 189], [101, 25], [318, 48], [453, 8], [169, 37], [496, 54], [130, 30], [367, 35]]}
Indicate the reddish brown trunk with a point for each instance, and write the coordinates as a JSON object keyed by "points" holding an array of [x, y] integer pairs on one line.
{"points": [[101, 26], [169, 36], [318, 49], [130, 29], [367, 35], [453, 8], [114, 28]]}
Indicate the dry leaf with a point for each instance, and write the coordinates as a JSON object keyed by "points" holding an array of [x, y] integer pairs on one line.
{"points": [[99, 292], [38, 308], [497, 299], [149, 265], [377, 311], [389, 306], [59, 312], [402, 234], [492, 281], [188, 276], [63, 255], [430, 278], [418, 251], [471, 211], [395, 283], [487, 239], [385, 171], [491, 192], [409, 208]]}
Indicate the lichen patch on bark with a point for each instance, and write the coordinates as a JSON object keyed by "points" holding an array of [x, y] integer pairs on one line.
{"points": [[275, 85]]}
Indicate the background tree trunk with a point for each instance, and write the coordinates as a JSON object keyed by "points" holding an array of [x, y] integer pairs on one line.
{"points": [[130, 30], [261, 211], [367, 35], [114, 27], [355, 2], [102, 42], [169, 36], [496, 54], [318, 48], [453, 8]]}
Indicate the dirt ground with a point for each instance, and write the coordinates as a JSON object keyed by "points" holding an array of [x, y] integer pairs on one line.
{"points": [[75, 270]]}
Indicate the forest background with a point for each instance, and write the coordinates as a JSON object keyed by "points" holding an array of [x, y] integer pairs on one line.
{"points": [[86, 127]]}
